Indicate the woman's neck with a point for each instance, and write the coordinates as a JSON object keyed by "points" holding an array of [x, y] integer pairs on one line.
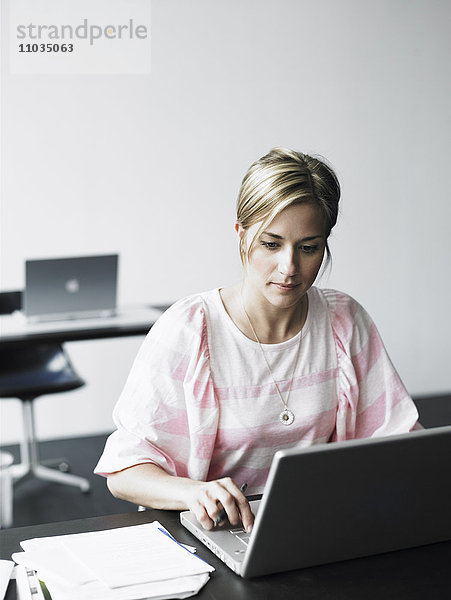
{"points": [[272, 324]]}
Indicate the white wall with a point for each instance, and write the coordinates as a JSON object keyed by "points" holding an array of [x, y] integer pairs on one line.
{"points": [[150, 165]]}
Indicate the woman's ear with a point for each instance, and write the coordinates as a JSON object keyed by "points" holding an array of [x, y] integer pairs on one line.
{"points": [[241, 232]]}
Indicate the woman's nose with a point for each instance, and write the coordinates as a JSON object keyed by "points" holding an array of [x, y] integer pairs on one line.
{"points": [[287, 264]]}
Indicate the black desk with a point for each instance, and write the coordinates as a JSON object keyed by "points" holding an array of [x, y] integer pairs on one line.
{"points": [[422, 573], [129, 321]]}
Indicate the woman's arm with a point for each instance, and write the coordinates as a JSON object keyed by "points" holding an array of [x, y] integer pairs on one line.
{"points": [[149, 485]]}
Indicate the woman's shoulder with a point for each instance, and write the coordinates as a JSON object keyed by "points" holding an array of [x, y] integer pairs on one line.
{"points": [[345, 312], [337, 301], [187, 315], [180, 330]]}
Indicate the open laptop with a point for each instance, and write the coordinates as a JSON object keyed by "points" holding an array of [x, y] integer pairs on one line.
{"points": [[70, 288], [343, 500]]}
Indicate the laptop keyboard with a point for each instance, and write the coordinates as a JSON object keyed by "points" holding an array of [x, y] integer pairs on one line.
{"points": [[241, 534]]}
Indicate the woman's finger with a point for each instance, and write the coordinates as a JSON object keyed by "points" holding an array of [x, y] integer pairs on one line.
{"points": [[220, 499]]}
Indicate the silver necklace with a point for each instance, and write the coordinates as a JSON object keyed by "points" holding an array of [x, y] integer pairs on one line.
{"points": [[286, 417]]}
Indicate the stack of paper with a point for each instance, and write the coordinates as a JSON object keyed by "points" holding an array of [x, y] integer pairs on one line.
{"points": [[129, 563], [6, 568]]}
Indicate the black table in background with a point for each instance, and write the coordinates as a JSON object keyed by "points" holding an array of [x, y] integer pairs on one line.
{"points": [[129, 321], [422, 573]]}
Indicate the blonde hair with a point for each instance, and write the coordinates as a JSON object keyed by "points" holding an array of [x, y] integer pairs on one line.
{"points": [[280, 179]]}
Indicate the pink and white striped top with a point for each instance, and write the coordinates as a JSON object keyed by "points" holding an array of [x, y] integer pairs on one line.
{"points": [[199, 400]]}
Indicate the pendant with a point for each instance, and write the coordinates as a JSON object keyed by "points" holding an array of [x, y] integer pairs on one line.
{"points": [[286, 417]]}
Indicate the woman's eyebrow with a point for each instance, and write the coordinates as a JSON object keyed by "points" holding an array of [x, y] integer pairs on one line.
{"points": [[280, 237]]}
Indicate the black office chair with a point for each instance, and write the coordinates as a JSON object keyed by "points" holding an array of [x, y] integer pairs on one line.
{"points": [[29, 370]]}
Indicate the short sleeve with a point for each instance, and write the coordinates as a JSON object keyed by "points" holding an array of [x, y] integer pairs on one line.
{"points": [[167, 413], [372, 400]]}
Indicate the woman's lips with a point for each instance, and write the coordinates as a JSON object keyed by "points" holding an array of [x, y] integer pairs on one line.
{"points": [[285, 287]]}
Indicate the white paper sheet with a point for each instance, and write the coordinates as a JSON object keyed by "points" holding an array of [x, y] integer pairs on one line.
{"points": [[181, 587], [129, 563], [132, 555], [6, 568]]}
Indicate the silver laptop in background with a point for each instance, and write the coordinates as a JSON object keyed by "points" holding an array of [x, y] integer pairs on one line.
{"points": [[343, 500], [70, 288]]}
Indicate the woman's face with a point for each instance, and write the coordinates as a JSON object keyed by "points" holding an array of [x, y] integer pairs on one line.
{"points": [[285, 259]]}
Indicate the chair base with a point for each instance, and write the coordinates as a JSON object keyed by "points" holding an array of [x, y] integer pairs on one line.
{"points": [[25, 470], [30, 466]]}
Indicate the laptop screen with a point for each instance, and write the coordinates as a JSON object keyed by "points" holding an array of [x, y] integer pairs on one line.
{"points": [[70, 287]]}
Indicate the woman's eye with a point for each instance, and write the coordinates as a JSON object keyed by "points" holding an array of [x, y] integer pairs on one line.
{"points": [[305, 248], [270, 245], [309, 249]]}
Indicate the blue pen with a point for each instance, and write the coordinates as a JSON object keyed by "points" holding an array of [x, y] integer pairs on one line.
{"points": [[222, 515]]}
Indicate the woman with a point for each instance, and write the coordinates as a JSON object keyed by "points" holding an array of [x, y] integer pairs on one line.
{"points": [[227, 377]]}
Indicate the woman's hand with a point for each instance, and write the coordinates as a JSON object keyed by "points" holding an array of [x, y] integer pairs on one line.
{"points": [[149, 485], [207, 499]]}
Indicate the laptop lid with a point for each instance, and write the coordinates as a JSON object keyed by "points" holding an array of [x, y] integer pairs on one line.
{"points": [[337, 501], [62, 288]]}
